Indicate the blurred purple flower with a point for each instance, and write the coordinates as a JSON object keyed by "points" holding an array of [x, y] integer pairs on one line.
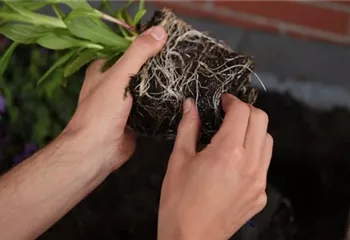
{"points": [[2, 104], [17, 159], [29, 149]]}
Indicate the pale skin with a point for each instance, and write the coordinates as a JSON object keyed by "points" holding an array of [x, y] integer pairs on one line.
{"points": [[205, 195]]}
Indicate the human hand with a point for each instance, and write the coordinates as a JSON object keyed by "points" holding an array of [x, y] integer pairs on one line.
{"points": [[104, 107], [211, 194]]}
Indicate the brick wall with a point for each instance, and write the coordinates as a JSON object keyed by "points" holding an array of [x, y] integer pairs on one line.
{"points": [[316, 20]]}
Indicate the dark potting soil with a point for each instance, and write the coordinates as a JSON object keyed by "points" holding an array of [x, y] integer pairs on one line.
{"points": [[214, 68]]}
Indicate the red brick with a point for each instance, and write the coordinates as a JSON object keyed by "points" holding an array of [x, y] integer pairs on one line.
{"points": [[293, 12], [181, 2], [198, 11]]}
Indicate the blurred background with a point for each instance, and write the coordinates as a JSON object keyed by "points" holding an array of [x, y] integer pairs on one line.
{"points": [[302, 55]]}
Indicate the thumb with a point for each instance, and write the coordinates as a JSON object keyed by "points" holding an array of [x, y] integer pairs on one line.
{"points": [[148, 44], [188, 130]]}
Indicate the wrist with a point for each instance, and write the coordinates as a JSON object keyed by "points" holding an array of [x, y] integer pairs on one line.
{"points": [[175, 232], [83, 151], [108, 147], [186, 232]]}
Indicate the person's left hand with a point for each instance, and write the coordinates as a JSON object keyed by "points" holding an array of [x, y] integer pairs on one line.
{"points": [[103, 108]]}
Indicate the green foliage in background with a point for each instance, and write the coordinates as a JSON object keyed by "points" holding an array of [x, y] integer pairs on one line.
{"points": [[36, 114], [42, 68], [33, 114]]}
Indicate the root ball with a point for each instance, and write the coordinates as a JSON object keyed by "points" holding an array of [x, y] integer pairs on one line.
{"points": [[191, 64]]}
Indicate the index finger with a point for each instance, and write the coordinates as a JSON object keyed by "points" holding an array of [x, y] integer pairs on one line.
{"points": [[235, 123]]}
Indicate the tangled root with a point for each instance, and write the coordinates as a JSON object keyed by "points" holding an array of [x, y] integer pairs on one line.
{"points": [[191, 64]]}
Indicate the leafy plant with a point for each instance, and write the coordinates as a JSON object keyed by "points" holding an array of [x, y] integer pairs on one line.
{"points": [[83, 33], [32, 115], [34, 111]]}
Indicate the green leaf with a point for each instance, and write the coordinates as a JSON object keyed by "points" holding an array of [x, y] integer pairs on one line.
{"points": [[60, 42], [51, 86], [139, 15], [23, 33], [108, 6], [125, 7], [123, 31], [122, 13], [82, 25], [127, 17], [55, 42], [4, 61], [77, 4], [73, 4], [82, 59], [58, 11], [34, 5], [11, 16], [59, 63], [129, 3], [120, 16], [32, 17], [141, 5]]}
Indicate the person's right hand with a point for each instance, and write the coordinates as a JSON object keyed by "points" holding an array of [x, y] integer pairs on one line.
{"points": [[211, 194]]}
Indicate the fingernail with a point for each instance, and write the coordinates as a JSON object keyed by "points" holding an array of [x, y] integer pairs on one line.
{"points": [[158, 33], [188, 105]]}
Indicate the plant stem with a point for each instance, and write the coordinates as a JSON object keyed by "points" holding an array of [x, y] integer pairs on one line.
{"points": [[117, 21], [94, 46], [58, 11]]}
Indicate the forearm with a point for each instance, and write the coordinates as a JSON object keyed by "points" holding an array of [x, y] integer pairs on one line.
{"points": [[37, 193]]}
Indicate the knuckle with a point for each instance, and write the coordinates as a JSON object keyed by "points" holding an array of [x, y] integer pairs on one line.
{"points": [[232, 104], [179, 152], [260, 114], [231, 155], [269, 138], [93, 68], [250, 173], [261, 202], [226, 155], [90, 69], [143, 44], [237, 153], [242, 107], [260, 186]]}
